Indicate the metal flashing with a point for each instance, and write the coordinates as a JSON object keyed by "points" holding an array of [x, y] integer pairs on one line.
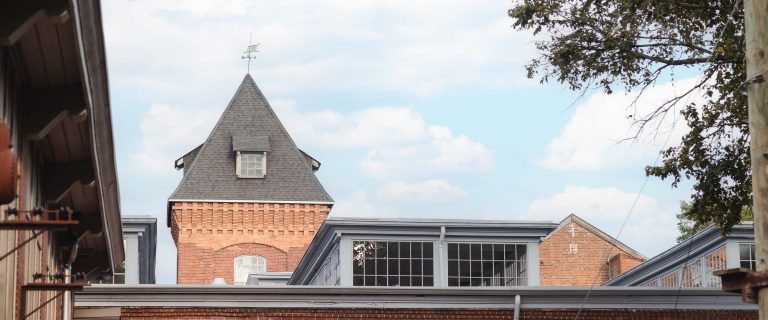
{"points": [[416, 298]]}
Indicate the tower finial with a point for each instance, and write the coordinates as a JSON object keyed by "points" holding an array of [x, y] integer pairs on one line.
{"points": [[250, 53]]}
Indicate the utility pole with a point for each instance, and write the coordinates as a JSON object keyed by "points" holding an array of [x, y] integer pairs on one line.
{"points": [[756, 37]]}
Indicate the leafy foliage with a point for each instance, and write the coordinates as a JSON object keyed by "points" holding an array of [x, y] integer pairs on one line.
{"points": [[688, 228], [628, 45]]}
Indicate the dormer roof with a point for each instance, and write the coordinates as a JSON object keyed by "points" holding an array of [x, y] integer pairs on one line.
{"points": [[249, 123]]}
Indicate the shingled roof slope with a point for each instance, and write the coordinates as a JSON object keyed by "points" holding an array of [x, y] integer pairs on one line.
{"points": [[212, 175]]}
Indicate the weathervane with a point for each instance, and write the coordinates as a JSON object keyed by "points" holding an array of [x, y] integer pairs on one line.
{"points": [[250, 53]]}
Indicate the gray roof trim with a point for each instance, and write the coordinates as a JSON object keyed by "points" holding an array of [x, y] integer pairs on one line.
{"points": [[417, 298], [242, 142], [148, 226], [707, 239], [600, 233], [89, 38], [328, 233]]}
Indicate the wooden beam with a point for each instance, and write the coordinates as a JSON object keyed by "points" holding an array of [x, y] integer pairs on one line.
{"points": [[18, 17], [59, 179], [46, 108]]}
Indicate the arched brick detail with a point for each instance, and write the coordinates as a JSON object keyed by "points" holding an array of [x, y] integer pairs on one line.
{"points": [[201, 228], [223, 259]]}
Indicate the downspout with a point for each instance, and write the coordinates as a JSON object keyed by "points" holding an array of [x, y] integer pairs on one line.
{"points": [[443, 266], [517, 307]]}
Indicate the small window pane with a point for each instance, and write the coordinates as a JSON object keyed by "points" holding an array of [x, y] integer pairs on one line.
{"points": [[453, 251], [475, 251], [415, 249], [464, 251]]}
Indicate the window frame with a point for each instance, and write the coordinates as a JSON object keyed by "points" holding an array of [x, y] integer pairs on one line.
{"points": [[238, 164], [752, 260], [526, 264], [234, 267], [436, 277]]}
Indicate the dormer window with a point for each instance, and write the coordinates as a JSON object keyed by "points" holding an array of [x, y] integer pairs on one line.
{"points": [[251, 164], [251, 155]]}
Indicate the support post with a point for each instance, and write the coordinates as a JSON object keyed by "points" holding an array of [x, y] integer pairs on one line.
{"points": [[756, 38]]}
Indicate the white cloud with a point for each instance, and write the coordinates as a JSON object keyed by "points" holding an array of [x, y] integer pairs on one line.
{"points": [[358, 205], [435, 190], [650, 228], [441, 153], [397, 139], [317, 45], [592, 139], [169, 132], [371, 127], [604, 203]]}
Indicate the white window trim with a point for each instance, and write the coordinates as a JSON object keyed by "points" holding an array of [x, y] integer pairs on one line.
{"points": [[532, 250], [346, 248], [263, 165]]}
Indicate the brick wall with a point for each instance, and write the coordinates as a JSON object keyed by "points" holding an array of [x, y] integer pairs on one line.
{"points": [[143, 313], [621, 263], [572, 255], [209, 236]]}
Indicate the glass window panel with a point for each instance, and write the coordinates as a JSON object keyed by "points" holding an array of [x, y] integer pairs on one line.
{"points": [[487, 251], [416, 267], [475, 252], [416, 281], [393, 267], [391, 263], [405, 267], [476, 268], [393, 250], [248, 264], [415, 249], [487, 268], [464, 251], [464, 268], [368, 248], [428, 282], [357, 267], [453, 268], [427, 250], [453, 251], [381, 266], [370, 266], [498, 252], [487, 264], [405, 250]]}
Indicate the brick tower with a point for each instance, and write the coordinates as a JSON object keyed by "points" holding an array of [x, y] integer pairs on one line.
{"points": [[249, 201]]}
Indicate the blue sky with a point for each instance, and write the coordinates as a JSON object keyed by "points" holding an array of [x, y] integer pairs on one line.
{"points": [[416, 108]]}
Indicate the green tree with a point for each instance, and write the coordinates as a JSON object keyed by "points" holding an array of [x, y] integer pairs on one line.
{"points": [[629, 45], [688, 228]]}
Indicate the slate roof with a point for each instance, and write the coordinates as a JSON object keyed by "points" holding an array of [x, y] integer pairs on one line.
{"points": [[212, 176]]}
